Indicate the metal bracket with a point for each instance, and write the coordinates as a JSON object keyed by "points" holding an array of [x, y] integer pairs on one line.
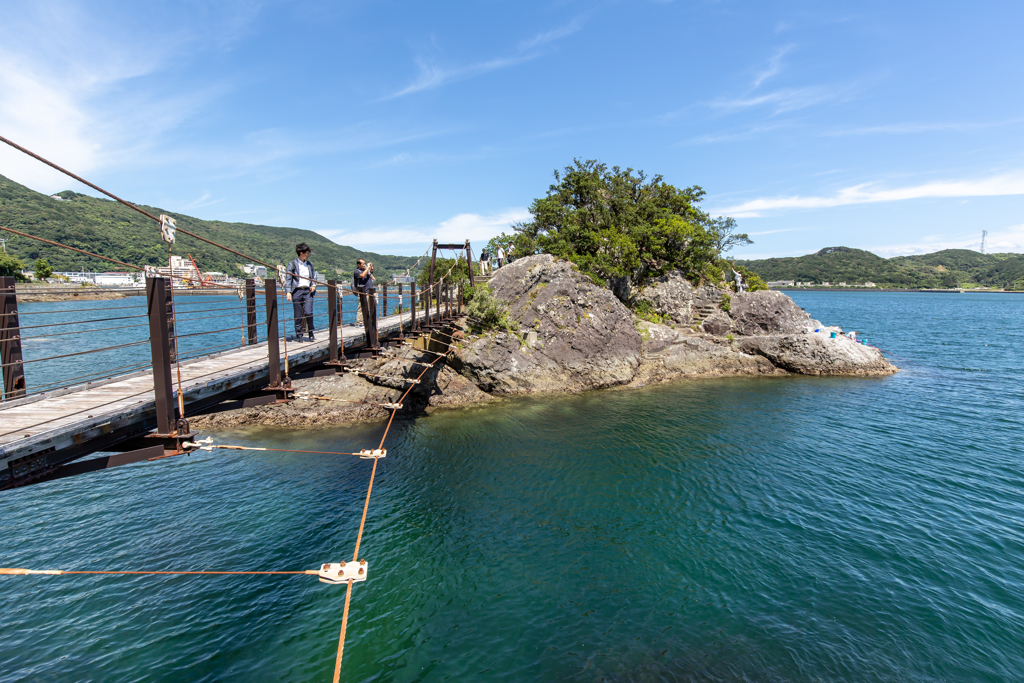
{"points": [[199, 444], [167, 228], [366, 454], [336, 573]]}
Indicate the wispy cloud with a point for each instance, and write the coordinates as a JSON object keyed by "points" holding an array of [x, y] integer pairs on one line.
{"points": [[785, 99], [204, 200], [747, 134], [432, 76], [475, 227], [866, 193], [911, 128], [774, 66]]}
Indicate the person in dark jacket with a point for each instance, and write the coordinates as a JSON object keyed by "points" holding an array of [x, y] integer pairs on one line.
{"points": [[300, 288], [363, 284]]}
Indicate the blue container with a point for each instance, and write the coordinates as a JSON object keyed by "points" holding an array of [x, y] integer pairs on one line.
{"points": [[833, 335]]}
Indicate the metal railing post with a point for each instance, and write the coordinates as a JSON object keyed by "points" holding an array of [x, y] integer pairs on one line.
{"points": [[412, 307], [10, 341], [160, 348], [250, 311], [437, 299], [171, 322], [401, 324], [333, 322], [384, 302]]}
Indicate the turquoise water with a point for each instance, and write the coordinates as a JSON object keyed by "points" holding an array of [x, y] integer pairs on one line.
{"points": [[765, 529]]}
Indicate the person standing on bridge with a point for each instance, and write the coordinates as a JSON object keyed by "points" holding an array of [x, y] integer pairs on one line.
{"points": [[363, 283], [300, 288]]}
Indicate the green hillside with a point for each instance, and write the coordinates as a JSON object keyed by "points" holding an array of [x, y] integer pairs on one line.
{"points": [[940, 270], [111, 229]]}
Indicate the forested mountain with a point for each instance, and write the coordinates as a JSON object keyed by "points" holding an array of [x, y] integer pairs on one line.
{"points": [[943, 269], [113, 230]]}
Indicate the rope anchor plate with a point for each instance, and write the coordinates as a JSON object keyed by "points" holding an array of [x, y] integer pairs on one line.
{"points": [[336, 573], [367, 454]]}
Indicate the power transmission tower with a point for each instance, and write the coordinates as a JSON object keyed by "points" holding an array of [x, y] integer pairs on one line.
{"points": [[984, 234]]}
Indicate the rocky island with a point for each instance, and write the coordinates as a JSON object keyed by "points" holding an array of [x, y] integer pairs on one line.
{"points": [[567, 335]]}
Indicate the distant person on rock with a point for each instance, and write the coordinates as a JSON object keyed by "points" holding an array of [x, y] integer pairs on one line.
{"points": [[501, 257], [739, 280], [485, 262], [300, 288], [363, 283]]}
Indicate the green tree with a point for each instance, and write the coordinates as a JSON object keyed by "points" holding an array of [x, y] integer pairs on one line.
{"points": [[724, 235], [621, 228], [43, 269], [11, 266]]}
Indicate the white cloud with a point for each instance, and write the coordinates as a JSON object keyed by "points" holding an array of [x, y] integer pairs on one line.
{"points": [[474, 227], [63, 85], [432, 76], [868, 193]]}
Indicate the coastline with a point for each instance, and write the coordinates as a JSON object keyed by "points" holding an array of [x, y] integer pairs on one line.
{"points": [[881, 289]]}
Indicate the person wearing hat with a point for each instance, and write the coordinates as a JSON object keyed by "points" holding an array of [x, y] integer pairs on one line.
{"points": [[300, 288]]}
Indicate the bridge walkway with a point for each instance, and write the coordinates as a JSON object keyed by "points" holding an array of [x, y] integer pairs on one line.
{"points": [[88, 417]]}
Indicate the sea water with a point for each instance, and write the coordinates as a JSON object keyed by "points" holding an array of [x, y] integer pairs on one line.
{"points": [[760, 529]]}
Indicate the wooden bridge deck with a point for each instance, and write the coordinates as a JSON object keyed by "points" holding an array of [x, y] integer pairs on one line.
{"points": [[85, 419]]}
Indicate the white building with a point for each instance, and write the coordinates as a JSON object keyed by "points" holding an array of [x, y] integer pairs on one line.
{"points": [[114, 279]]}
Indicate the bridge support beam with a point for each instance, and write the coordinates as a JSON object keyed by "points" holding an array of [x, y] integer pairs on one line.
{"points": [[334, 326], [10, 341], [160, 348], [281, 386], [469, 260]]}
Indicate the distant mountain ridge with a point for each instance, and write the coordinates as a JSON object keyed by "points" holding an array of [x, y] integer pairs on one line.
{"points": [[113, 230], [944, 269]]}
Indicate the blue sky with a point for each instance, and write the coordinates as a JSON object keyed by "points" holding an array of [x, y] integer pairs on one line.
{"points": [[894, 127]]}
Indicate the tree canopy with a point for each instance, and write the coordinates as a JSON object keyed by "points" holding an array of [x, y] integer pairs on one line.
{"points": [[622, 228]]}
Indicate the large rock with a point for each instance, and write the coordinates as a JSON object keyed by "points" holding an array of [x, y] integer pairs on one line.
{"points": [[585, 337], [817, 354], [671, 296], [766, 312], [670, 354]]}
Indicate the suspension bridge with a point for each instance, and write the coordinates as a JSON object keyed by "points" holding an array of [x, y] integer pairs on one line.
{"points": [[170, 358]]}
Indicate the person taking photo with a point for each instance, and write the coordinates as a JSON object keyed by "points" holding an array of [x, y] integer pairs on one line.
{"points": [[364, 285]]}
